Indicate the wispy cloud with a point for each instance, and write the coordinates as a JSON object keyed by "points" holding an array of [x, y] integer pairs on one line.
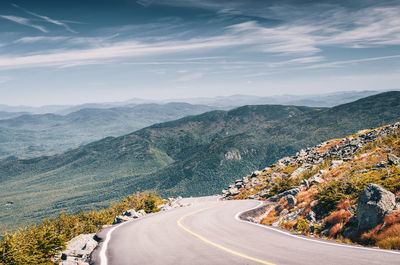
{"points": [[297, 61], [145, 3], [39, 39], [189, 77], [287, 39], [25, 22], [47, 19], [346, 62], [4, 79], [300, 41], [364, 28], [127, 49]]}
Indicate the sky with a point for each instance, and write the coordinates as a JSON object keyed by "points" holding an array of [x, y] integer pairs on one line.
{"points": [[73, 52]]}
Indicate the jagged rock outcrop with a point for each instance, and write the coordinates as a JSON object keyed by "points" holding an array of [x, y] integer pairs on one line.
{"points": [[373, 204]]}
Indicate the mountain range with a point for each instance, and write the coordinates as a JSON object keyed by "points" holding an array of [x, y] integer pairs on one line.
{"points": [[195, 155], [222, 102], [32, 135], [27, 132]]}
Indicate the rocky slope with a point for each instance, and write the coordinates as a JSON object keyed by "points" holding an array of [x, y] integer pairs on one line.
{"points": [[346, 189]]}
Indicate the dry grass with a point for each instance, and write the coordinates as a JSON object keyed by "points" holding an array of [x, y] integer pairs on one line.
{"points": [[389, 243], [386, 235], [391, 219], [271, 218], [335, 229], [288, 225], [339, 216], [344, 205], [329, 145]]}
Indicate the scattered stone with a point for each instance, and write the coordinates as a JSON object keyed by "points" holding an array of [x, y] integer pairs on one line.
{"points": [[314, 203], [311, 216], [298, 172], [142, 213], [336, 163], [284, 212], [293, 215], [393, 160], [131, 213], [233, 191], [373, 204], [294, 191], [304, 182], [315, 180], [291, 200], [264, 193], [120, 219]]}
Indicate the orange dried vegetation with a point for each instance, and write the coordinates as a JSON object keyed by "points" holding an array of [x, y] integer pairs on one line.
{"points": [[329, 145], [336, 229], [339, 216], [344, 205]]}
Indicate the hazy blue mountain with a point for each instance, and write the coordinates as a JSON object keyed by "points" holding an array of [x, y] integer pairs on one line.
{"points": [[195, 155], [222, 102], [44, 134], [9, 115], [31, 109], [316, 100]]}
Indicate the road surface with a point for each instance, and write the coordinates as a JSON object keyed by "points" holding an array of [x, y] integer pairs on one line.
{"points": [[209, 232]]}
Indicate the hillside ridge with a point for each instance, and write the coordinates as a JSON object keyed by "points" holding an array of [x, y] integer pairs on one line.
{"points": [[346, 189]]}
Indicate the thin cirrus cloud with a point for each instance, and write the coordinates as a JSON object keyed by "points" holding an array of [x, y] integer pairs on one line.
{"points": [[346, 62], [52, 21], [39, 39], [25, 22], [113, 51], [4, 79], [302, 39], [190, 77]]}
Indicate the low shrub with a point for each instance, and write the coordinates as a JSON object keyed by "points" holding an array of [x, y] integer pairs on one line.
{"points": [[303, 225], [389, 243]]}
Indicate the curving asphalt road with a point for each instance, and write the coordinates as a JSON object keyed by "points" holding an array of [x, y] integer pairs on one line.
{"points": [[208, 233]]}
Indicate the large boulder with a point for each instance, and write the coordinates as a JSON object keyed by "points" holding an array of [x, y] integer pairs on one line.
{"points": [[78, 250], [373, 204]]}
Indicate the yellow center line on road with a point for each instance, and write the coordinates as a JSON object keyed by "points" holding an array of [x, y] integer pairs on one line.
{"points": [[233, 252]]}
